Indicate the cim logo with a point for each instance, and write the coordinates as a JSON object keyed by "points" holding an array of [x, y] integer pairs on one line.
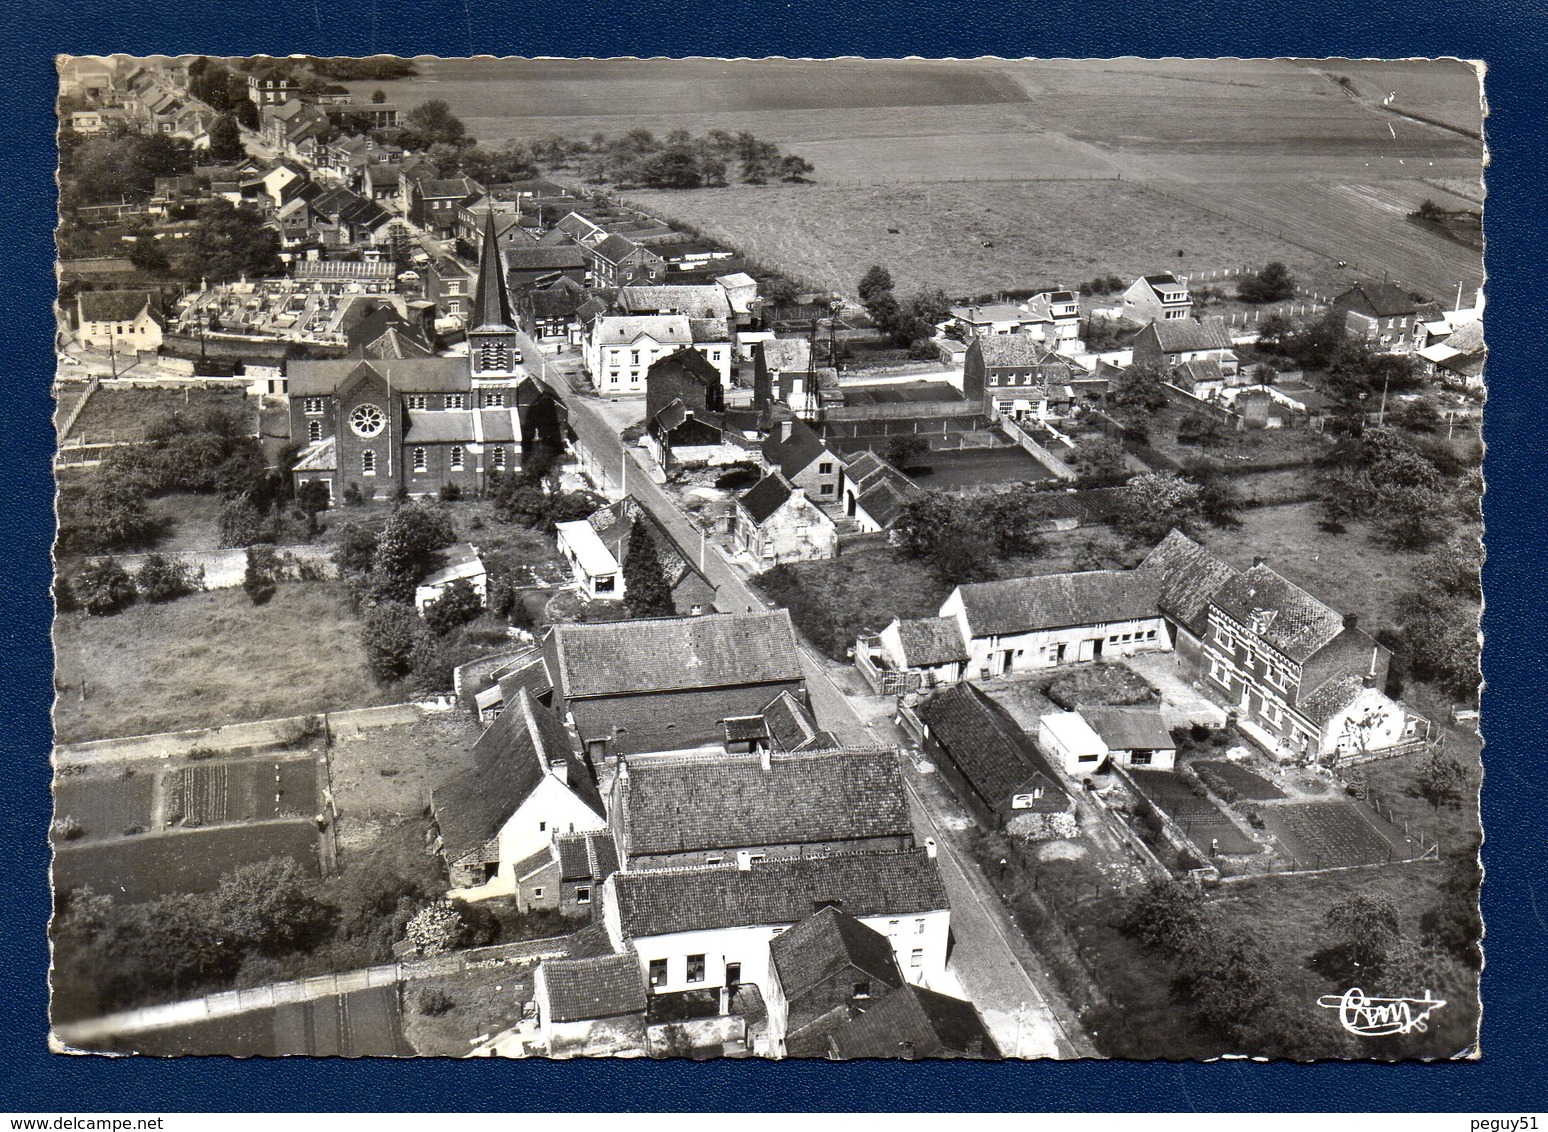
{"points": [[1381, 1017]]}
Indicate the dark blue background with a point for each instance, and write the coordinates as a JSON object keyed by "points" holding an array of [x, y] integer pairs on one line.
{"points": [[1510, 1076]]}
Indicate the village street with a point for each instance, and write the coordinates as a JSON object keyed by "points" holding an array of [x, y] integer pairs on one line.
{"points": [[991, 960]]}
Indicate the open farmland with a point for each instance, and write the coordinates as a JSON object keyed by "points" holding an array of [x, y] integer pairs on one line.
{"points": [[142, 868], [117, 413]]}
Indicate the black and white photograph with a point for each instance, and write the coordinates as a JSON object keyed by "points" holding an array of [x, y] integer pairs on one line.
{"points": [[692, 558]]}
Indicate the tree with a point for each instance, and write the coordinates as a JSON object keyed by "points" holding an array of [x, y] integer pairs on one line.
{"points": [[389, 633], [1100, 459], [1224, 982], [780, 292], [226, 141], [103, 587], [120, 164], [1273, 331], [921, 523], [647, 592], [1168, 915], [436, 928], [242, 523], [261, 577], [405, 550], [674, 169], [313, 497], [964, 554], [1440, 634], [877, 281], [458, 604], [1410, 517], [1140, 387], [905, 450], [161, 579], [795, 169], [1013, 520], [1441, 779], [1367, 930], [1154, 503], [434, 121], [108, 513], [354, 549], [378, 96], [227, 242], [1273, 284], [269, 907], [146, 254]]}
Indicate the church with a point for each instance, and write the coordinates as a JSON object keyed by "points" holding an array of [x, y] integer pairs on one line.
{"points": [[425, 422]]}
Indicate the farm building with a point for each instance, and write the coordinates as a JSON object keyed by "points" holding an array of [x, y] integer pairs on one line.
{"points": [[460, 563], [118, 320], [775, 522], [593, 1006], [1066, 737], [1190, 575], [826, 970], [1175, 342], [913, 1022], [1040, 622], [989, 759], [928, 651], [875, 492], [1133, 736]]}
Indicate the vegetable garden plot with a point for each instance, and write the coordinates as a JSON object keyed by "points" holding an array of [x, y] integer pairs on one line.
{"points": [[1323, 835], [244, 790], [1251, 786], [1199, 818], [106, 807]]}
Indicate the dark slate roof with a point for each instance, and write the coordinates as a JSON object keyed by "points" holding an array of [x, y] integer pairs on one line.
{"points": [[661, 901], [798, 451], [666, 721], [1386, 300], [766, 496], [1280, 612], [614, 525], [661, 654], [491, 299], [1175, 335], [1199, 371], [825, 943], [687, 803], [1163, 279], [690, 363], [988, 747], [1332, 697], [786, 353], [603, 986], [527, 672], [586, 856], [509, 760], [1129, 728], [928, 641], [791, 726], [743, 728], [528, 256], [1057, 601], [1190, 577], [114, 306], [443, 187], [311, 376], [1021, 351], [881, 488], [615, 248], [914, 1022]]}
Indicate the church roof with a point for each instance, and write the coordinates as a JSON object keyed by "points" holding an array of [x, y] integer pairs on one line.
{"points": [[491, 300]]}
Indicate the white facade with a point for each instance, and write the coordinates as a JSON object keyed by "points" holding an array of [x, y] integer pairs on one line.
{"points": [[139, 333], [617, 365], [1068, 739], [551, 808], [1047, 648], [591, 562]]}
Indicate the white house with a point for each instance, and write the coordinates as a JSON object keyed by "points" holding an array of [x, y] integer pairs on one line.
{"points": [[1160, 297], [494, 822], [620, 349], [459, 563], [931, 646], [118, 320], [597, 572], [1069, 740], [1134, 736], [710, 927], [1039, 622]]}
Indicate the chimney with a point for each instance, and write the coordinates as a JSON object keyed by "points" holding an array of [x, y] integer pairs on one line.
{"points": [[766, 756], [1259, 560], [1370, 677], [560, 769], [930, 848], [785, 428], [1351, 620], [743, 861]]}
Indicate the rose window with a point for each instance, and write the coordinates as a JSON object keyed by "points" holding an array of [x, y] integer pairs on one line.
{"points": [[367, 420]]}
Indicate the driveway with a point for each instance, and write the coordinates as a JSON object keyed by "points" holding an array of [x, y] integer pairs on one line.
{"points": [[1181, 703]]}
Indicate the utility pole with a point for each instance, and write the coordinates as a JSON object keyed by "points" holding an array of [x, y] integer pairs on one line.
{"points": [[1381, 413]]}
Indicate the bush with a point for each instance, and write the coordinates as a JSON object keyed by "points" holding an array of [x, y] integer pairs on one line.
{"points": [[458, 604], [353, 496], [450, 492], [103, 587], [737, 478], [435, 1002], [161, 579], [390, 631], [260, 579], [66, 828]]}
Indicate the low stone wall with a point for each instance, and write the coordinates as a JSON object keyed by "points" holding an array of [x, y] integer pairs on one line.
{"points": [[224, 569]]}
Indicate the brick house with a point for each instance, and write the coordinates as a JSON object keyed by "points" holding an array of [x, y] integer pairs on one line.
{"points": [[685, 375], [1018, 376], [708, 807], [803, 459], [494, 822], [874, 492], [775, 522], [826, 970], [1175, 342], [620, 262], [434, 203], [1384, 317]]}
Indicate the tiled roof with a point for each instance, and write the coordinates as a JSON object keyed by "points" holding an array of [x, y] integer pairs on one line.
{"points": [[1129, 728], [766, 496], [661, 901], [440, 427], [1199, 371], [661, 654], [797, 452], [691, 802], [695, 302], [509, 760], [448, 187], [320, 456], [709, 329], [1332, 697], [688, 362], [928, 641], [988, 747], [825, 943], [882, 490], [1057, 601], [603, 986], [666, 721], [1175, 335], [791, 726], [615, 248], [1020, 351], [1386, 300], [586, 856], [787, 353], [620, 330], [1190, 576], [310, 376], [527, 256], [1279, 612], [113, 306], [913, 1022]]}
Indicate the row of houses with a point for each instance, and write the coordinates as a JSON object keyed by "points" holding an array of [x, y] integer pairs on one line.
{"points": [[667, 778]]}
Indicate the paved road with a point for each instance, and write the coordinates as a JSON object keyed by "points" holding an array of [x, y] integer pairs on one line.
{"points": [[992, 960]]}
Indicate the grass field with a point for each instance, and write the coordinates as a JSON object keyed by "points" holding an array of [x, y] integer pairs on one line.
{"points": [[210, 659], [142, 868], [125, 413], [484, 1001]]}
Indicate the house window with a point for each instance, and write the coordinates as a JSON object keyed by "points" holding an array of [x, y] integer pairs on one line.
{"points": [[1139, 758], [416, 401], [456, 458], [368, 463], [537, 894], [825, 468], [497, 457], [892, 927], [658, 972], [583, 894], [1087, 759], [695, 968], [421, 464], [542, 827], [919, 926], [862, 989], [315, 405], [714, 860], [455, 401], [606, 584], [825, 489], [494, 399], [1218, 674], [714, 355], [314, 431], [916, 957]]}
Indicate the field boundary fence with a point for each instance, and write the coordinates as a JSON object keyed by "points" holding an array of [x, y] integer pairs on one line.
{"points": [[864, 182]]}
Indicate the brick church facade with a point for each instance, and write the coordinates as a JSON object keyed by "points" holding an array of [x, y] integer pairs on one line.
{"points": [[422, 423]]}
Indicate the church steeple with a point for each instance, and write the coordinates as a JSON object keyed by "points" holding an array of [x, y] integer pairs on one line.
{"points": [[492, 348]]}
